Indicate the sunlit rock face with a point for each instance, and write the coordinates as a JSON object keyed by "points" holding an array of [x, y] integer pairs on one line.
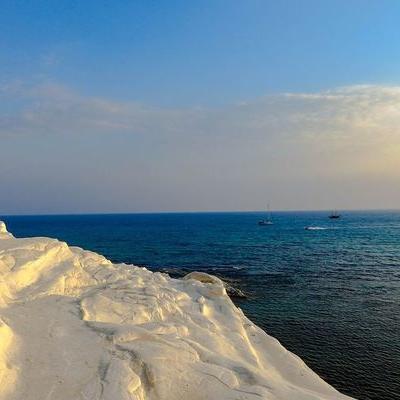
{"points": [[75, 326]]}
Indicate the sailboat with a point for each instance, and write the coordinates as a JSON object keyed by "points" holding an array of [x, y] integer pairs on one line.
{"points": [[268, 220], [334, 215]]}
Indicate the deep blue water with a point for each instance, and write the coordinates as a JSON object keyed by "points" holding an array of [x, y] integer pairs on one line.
{"points": [[332, 296]]}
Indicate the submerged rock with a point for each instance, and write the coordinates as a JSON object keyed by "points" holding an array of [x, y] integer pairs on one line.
{"points": [[235, 292], [230, 290]]}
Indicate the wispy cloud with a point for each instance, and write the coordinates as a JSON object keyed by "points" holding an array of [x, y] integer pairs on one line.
{"points": [[283, 143], [370, 110], [55, 109], [351, 119]]}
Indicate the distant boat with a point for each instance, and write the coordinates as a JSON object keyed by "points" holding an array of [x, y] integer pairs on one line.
{"points": [[334, 215], [268, 220], [265, 222]]}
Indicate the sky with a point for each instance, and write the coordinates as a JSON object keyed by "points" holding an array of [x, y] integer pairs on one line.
{"points": [[146, 106]]}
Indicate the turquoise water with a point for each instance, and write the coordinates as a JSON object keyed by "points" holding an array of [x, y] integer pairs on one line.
{"points": [[330, 295]]}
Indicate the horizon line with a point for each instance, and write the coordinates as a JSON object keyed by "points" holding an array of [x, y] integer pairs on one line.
{"points": [[197, 212]]}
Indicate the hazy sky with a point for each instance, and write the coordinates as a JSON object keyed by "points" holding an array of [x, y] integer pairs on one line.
{"points": [[199, 105]]}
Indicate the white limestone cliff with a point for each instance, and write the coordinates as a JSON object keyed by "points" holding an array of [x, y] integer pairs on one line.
{"points": [[75, 326]]}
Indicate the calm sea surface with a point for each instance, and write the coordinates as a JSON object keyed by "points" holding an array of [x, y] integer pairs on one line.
{"points": [[330, 295]]}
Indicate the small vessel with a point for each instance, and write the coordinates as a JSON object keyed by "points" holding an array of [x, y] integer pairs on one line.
{"points": [[334, 215], [265, 222], [268, 220]]}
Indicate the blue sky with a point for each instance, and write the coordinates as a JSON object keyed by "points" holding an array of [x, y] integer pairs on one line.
{"points": [[201, 52], [198, 105]]}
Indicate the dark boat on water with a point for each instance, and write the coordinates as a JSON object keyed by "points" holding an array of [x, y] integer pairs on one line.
{"points": [[334, 215], [268, 220]]}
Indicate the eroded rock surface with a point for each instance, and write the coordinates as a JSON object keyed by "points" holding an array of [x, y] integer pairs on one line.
{"points": [[75, 326]]}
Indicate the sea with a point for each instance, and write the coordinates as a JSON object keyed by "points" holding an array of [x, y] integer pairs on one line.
{"points": [[330, 294]]}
